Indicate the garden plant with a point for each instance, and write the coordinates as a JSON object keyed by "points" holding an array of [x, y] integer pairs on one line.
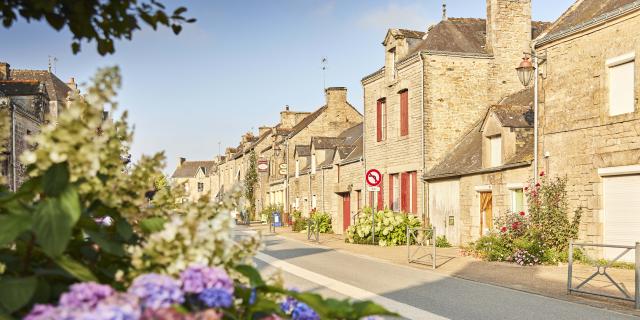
{"points": [[390, 228], [80, 239]]}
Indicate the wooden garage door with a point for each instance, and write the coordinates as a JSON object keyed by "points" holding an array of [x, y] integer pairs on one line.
{"points": [[621, 213]]}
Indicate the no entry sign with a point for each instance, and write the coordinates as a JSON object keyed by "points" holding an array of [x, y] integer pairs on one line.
{"points": [[373, 177]]}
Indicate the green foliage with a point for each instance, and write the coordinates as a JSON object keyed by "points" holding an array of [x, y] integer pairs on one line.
{"points": [[442, 242], [250, 181], [299, 223], [322, 221], [390, 227], [102, 21], [492, 247]]}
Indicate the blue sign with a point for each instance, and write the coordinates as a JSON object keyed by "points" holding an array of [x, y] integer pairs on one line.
{"points": [[276, 219]]}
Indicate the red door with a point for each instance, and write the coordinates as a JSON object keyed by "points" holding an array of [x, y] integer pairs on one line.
{"points": [[346, 211]]}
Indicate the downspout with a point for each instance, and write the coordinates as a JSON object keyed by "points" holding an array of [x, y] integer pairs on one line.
{"points": [[286, 181], [425, 192], [364, 150], [13, 148], [535, 115], [323, 209]]}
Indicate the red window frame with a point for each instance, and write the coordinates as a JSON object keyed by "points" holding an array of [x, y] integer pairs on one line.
{"points": [[404, 112]]}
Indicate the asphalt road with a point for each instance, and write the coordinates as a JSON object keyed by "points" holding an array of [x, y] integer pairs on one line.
{"points": [[413, 293]]}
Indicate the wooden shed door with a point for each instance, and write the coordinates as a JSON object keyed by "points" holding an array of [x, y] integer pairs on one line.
{"points": [[346, 211], [486, 212]]}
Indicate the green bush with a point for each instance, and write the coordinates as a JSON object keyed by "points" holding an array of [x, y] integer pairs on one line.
{"points": [[492, 247], [390, 228], [298, 222], [323, 221], [442, 242]]}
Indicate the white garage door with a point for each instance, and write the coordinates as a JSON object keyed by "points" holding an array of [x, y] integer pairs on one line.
{"points": [[621, 213], [444, 209]]}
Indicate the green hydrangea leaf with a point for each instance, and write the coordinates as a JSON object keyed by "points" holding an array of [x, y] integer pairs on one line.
{"points": [[15, 293]]}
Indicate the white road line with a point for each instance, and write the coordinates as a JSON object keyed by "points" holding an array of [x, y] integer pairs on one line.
{"points": [[403, 309]]}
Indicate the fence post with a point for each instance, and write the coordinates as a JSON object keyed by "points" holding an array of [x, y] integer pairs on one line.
{"points": [[637, 253], [570, 270], [433, 239]]}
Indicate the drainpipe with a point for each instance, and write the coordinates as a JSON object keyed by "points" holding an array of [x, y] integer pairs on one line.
{"points": [[535, 116], [13, 148], [425, 192], [286, 191], [323, 209]]}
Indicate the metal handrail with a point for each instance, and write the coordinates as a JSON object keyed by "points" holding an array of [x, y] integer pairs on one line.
{"points": [[312, 224], [411, 234], [602, 270]]}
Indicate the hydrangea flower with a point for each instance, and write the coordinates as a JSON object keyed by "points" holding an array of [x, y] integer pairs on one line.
{"points": [[85, 295], [303, 312], [121, 306], [42, 312], [156, 291], [216, 298], [197, 278], [288, 304]]}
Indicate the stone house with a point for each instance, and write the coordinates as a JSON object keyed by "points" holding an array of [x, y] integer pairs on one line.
{"points": [[484, 174], [195, 177], [433, 88], [25, 101], [589, 118]]}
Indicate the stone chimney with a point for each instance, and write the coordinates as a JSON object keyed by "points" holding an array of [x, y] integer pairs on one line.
{"points": [[262, 130], [5, 71], [72, 84], [508, 37], [336, 96], [181, 161]]}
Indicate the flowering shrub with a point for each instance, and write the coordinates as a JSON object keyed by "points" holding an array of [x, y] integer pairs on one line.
{"points": [[541, 236], [390, 228], [299, 223], [322, 221]]}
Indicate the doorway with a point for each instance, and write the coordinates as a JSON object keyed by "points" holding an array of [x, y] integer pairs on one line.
{"points": [[346, 211], [486, 212]]}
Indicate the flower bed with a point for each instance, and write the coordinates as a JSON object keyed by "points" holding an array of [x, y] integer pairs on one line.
{"points": [[390, 228]]}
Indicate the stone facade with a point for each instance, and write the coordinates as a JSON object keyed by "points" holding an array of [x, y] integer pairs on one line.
{"points": [[579, 137]]}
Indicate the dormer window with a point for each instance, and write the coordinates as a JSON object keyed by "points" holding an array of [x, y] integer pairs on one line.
{"points": [[495, 144]]}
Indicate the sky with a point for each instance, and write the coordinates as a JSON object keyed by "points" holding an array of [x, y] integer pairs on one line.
{"points": [[237, 67]]}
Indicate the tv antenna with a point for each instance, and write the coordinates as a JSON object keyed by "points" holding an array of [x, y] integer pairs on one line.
{"points": [[52, 64], [325, 65]]}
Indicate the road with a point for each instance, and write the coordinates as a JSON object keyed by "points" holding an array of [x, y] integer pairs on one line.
{"points": [[413, 293]]}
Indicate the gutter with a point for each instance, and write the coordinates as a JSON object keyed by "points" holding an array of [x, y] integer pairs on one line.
{"points": [[478, 171]]}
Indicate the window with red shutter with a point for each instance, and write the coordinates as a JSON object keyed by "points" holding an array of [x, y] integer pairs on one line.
{"points": [[404, 192], [391, 191], [404, 112], [414, 192], [381, 195]]}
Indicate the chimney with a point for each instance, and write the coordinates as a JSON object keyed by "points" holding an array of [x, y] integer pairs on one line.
{"points": [[336, 96], [262, 130], [72, 84], [181, 161], [5, 71]]}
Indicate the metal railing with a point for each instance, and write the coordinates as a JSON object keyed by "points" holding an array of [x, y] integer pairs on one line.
{"points": [[423, 240], [313, 230], [602, 271]]}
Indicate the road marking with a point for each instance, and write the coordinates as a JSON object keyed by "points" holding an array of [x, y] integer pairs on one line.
{"points": [[348, 290]]}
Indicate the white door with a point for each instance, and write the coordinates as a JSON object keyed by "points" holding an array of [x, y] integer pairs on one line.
{"points": [[621, 214], [444, 209]]}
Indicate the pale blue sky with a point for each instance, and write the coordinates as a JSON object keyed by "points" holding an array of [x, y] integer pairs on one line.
{"points": [[240, 63]]}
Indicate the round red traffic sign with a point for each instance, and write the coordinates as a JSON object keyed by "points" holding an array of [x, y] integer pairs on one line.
{"points": [[373, 177]]}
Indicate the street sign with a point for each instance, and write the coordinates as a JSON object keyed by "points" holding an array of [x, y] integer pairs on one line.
{"points": [[263, 165], [373, 189], [373, 177]]}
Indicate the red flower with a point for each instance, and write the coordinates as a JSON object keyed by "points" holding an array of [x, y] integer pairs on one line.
{"points": [[503, 229], [542, 173], [522, 213], [526, 188], [514, 226], [537, 184]]}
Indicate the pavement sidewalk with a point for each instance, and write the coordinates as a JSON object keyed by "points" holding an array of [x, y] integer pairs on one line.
{"points": [[549, 281]]}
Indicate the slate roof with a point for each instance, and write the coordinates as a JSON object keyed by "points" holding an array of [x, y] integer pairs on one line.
{"points": [[584, 12], [466, 156], [306, 121], [303, 151], [21, 87], [189, 169], [352, 134], [326, 142], [56, 88], [411, 33], [352, 148]]}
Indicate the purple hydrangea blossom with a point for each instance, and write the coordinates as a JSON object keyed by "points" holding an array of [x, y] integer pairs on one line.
{"points": [[197, 278], [85, 295], [303, 312], [121, 306], [42, 312], [288, 305], [216, 298], [156, 291]]}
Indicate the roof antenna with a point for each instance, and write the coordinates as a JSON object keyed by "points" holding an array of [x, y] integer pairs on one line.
{"points": [[325, 64], [52, 64], [444, 10]]}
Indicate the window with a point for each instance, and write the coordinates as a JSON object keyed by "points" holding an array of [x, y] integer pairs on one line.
{"points": [[394, 192], [297, 168], [496, 150], [200, 186], [381, 118], [517, 200], [392, 63], [313, 164], [621, 84], [404, 112]]}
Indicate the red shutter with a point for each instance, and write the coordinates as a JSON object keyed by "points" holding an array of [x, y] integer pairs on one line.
{"points": [[391, 192], [414, 192], [379, 121], [381, 195], [404, 113], [404, 194]]}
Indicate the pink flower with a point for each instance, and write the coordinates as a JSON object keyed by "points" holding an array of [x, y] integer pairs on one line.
{"points": [[522, 213], [503, 229], [514, 226], [537, 184], [542, 173]]}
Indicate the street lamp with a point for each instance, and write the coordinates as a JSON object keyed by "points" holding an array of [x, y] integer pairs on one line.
{"points": [[525, 71]]}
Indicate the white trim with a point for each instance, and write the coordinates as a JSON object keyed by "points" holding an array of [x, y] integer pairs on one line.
{"points": [[513, 186], [619, 171], [484, 188], [616, 61]]}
